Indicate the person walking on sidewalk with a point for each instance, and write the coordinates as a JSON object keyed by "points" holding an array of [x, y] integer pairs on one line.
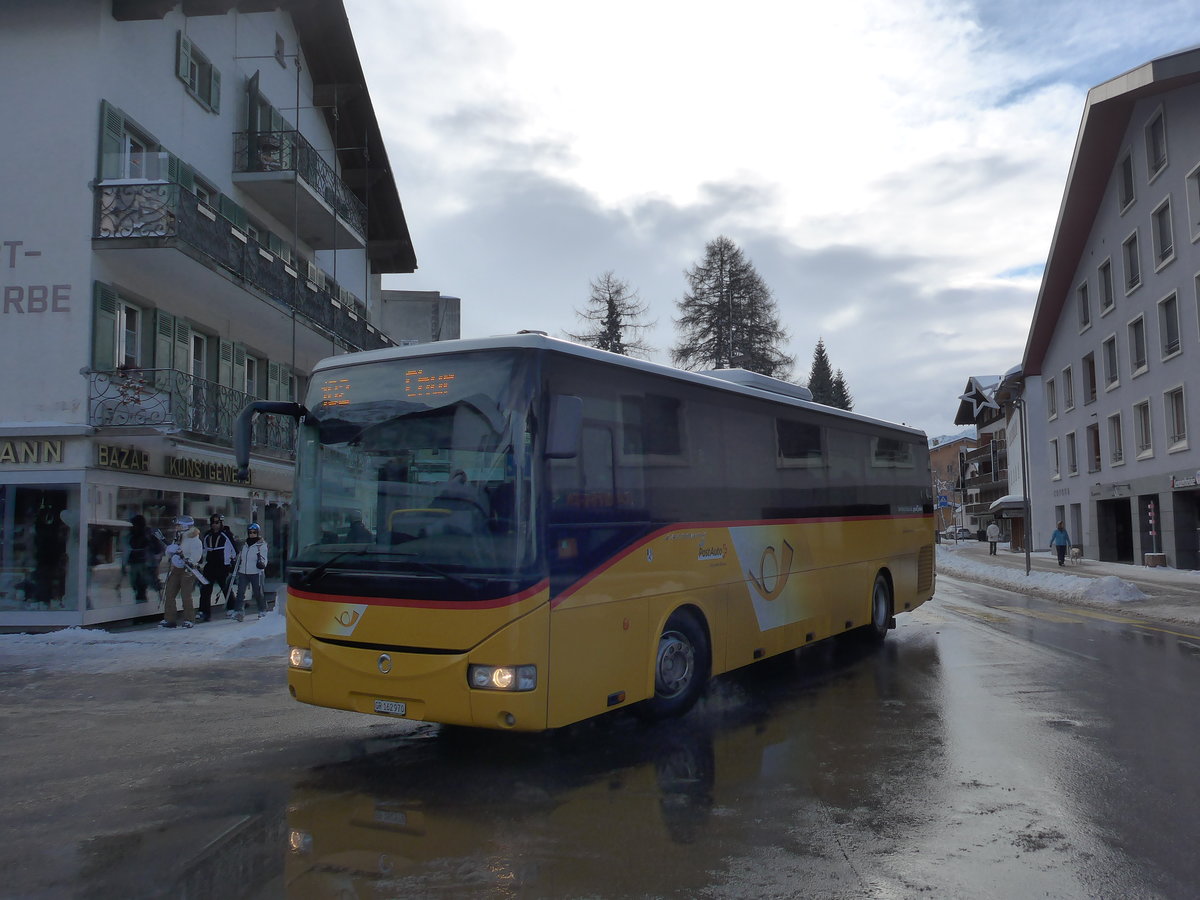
{"points": [[1060, 541], [219, 554], [993, 536], [251, 561], [184, 554]]}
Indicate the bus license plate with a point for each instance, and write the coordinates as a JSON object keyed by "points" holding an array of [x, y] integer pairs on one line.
{"points": [[391, 707]]}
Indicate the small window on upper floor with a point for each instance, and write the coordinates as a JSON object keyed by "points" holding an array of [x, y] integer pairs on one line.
{"points": [[1125, 190], [1156, 144], [1107, 298], [1051, 400], [1137, 347], [1168, 325], [279, 50], [202, 79], [1084, 304], [1068, 386], [1164, 235], [1133, 263]]}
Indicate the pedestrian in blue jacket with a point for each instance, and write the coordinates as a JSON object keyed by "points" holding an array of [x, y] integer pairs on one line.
{"points": [[1060, 541]]}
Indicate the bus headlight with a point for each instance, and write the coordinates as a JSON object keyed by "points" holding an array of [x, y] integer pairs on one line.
{"points": [[502, 678], [300, 658]]}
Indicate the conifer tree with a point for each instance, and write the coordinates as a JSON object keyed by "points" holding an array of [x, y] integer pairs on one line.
{"points": [[820, 376], [841, 394], [728, 318], [614, 314]]}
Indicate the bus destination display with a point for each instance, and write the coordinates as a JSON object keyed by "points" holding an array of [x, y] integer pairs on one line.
{"points": [[419, 383], [334, 392]]}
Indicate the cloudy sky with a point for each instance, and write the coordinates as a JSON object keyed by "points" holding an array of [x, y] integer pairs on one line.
{"points": [[892, 168]]}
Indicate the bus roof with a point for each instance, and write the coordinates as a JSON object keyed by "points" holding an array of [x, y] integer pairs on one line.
{"points": [[737, 381]]}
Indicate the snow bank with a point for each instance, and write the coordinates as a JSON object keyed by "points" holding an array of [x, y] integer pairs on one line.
{"points": [[95, 650], [1106, 591]]}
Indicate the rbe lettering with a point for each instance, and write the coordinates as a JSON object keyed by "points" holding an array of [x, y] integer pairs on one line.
{"points": [[37, 298]]}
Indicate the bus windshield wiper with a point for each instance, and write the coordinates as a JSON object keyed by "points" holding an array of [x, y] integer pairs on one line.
{"points": [[311, 576]]}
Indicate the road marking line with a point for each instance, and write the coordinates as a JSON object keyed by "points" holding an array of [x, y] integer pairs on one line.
{"points": [[1044, 616]]}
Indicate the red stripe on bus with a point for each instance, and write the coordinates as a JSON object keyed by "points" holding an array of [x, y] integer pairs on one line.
{"points": [[749, 523], [424, 604]]}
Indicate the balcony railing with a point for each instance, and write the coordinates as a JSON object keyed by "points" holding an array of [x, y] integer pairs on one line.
{"points": [[175, 402], [166, 212], [290, 151]]}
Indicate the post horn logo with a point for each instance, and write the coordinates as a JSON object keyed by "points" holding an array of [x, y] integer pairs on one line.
{"points": [[773, 572], [347, 617]]}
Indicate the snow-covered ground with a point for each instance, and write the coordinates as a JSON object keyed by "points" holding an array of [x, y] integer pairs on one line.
{"points": [[1107, 589], [96, 650]]}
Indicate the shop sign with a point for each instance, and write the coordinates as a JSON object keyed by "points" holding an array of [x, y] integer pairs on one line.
{"points": [[1185, 481], [31, 452], [204, 470], [123, 459]]}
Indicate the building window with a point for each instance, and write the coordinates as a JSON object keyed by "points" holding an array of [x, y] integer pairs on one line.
{"points": [[127, 152], [1092, 448], [1176, 414], [1084, 304], [1125, 192], [120, 335], [279, 50], [1156, 144], [1116, 441], [1168, 325], [1089, 378], [1051, 400], [1054, 463], [1193, 202], [1141, 424], [1072, 457], [1112, 374], [1133, 266], [1107, 298], [202, 79], [1137, 346], [1164, 240], [1068, 383]]}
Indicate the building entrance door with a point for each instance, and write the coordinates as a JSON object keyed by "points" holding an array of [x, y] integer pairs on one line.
{"points": [[1114, 530]]}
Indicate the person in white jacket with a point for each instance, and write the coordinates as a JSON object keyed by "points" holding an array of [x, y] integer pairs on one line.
{"points": [[183, 555], [248, 570]]}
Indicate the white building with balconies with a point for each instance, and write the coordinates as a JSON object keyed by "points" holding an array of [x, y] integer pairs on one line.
{"points": [[198, 206]]}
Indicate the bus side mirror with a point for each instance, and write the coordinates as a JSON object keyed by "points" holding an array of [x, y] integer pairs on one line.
{"points": [[566, 424]]}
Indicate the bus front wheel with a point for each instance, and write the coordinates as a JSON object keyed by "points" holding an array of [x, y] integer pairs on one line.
{"points": [[881, 608], [680, 667]]}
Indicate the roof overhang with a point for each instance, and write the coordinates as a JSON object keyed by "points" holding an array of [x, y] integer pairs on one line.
{"points": [[1105, 120]]}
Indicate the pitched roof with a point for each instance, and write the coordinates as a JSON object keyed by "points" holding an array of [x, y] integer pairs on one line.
{"points": [[1105, 120]]}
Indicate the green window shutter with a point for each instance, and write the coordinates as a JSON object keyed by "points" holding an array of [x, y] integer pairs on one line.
{"points": [[275, 382], [239, 367], [233, 212], [180, 173], [214, 84], [104, 328], [112, 140], [225, 364], [164, 339], [183, 346], [183, 58]]}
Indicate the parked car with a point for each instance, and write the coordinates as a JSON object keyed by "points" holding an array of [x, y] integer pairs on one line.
{"points": [[958, 533]]}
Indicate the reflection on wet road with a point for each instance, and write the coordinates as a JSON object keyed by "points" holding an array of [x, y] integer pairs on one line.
{"points": [[966, 761], [994, 746]]}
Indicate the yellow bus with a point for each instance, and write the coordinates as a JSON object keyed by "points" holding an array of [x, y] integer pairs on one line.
{"points": [[522, 532]]}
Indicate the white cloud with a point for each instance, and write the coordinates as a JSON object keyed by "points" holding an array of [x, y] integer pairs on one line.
{"points": [[882, 162]]}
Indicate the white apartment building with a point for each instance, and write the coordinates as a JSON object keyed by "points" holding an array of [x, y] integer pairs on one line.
{"points": [[1112, 362], [197, 207]]}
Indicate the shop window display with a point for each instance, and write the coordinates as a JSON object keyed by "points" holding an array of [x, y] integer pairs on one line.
{"points": [[38, 530]]}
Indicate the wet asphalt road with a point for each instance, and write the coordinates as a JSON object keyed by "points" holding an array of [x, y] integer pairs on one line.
{"points": [[995, 746]]}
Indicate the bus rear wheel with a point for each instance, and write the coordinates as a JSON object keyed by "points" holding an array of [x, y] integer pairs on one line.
{"points": [[680, 667], [881, 608]]}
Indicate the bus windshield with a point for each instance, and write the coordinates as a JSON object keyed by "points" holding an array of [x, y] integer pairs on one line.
{"points": [[417, 465]]}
